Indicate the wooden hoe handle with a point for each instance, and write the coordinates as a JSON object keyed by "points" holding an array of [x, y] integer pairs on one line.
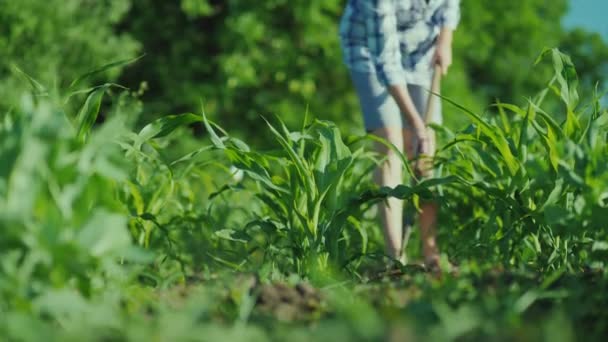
{"points": [[435, 89]]}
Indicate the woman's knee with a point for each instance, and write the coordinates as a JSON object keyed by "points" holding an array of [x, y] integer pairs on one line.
{"points": [[392, 135], [390, 171]]}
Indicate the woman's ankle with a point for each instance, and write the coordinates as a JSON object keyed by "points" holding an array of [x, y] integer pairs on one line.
{"points": [[431, 252]]}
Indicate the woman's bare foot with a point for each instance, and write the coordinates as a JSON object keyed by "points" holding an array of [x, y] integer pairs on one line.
{"points": [[432, 262]]}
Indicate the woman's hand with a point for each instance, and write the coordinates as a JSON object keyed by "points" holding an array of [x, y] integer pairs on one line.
{"points": [[424, 144], [422, 139], [443, 51], [423, 163]]}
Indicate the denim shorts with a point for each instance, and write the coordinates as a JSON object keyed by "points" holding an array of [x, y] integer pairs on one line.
{"points": [[380, 109]]}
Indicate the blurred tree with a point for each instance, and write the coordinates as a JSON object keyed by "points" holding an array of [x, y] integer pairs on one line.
{"points": [[57, 40], [590, 53], [248, 58], [244, 59], [498, 42]]}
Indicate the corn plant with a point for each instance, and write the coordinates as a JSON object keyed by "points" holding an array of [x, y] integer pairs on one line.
{"points": [[301, 185], [533, 189], [317, 190]]}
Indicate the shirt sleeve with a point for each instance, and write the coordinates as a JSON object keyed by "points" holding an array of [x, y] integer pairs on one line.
{"points": [[450, 14], [383, 41]]}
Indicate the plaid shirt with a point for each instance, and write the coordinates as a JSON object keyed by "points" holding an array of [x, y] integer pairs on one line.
{"points": [[395, 38]]}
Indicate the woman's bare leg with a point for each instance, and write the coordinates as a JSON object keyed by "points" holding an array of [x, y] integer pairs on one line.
{"points": [[428, 216], [428, 233], [408, 147], [428, 221], [390, 174]]}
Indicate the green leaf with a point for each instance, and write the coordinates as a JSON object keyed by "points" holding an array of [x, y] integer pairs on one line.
{"points": [[599, 246], [239, 144], [191, 155], [255, 166], [105, 233], [555, 194], [525, 301], [79, 80], [304, 174], [61, 303], [549, 120], [555, 214], [267, 226], [232, 235], [165, 125], [36, 86], [551, 144], [566, 77], [226, 188], [395, 150], [89, 111], [498, 139], [277, 207], [215, 139], [332, 157]]}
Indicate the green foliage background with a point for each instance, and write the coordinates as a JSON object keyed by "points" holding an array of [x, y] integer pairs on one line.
{"points": [[244, 59], [57, 40]]}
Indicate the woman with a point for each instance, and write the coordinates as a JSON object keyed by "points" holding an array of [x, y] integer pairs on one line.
{"points": [[391, 48]]}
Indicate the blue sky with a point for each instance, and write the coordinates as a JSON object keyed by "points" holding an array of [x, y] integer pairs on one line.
{"points": [[590, 14]]}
